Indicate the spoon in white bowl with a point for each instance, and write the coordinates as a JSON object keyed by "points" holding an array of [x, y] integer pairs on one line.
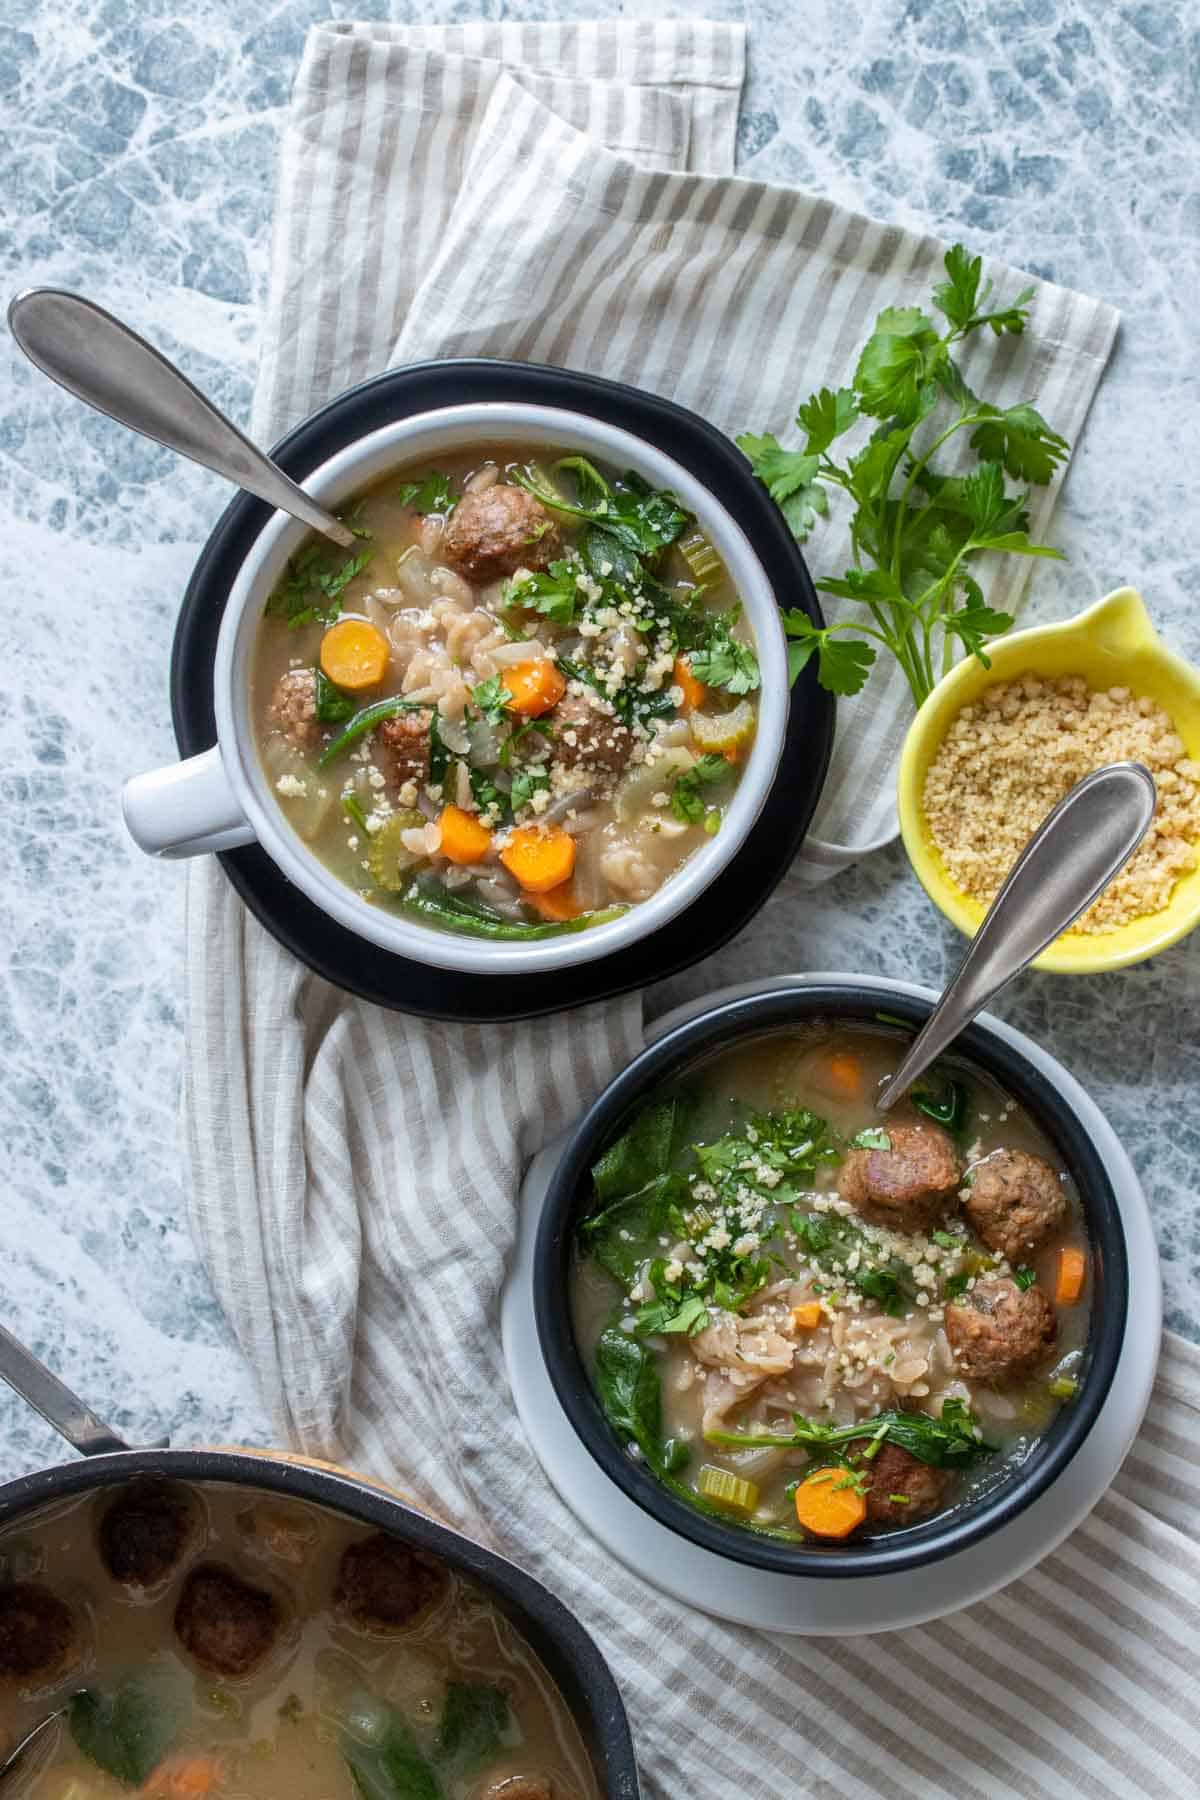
{"points": [[104, 363], [1067, 863]]}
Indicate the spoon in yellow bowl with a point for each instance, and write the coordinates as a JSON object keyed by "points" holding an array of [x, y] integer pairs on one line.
{"points": [[102, 362], [1067, 863]]}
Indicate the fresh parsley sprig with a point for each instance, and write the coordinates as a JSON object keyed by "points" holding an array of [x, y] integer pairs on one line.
{"points": [[915, 531]]}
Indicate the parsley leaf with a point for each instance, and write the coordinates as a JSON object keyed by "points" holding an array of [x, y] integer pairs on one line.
{"points": [[723, 661], [542, 727], [825, 416], [491, 699], [843, 664], [311, 592], [790, 477], [1024, 1277], [915, 529], [554, 594], [526, 783], [687, 800], [433, 494], [1019, 438], [492, 801], [897, 363]]}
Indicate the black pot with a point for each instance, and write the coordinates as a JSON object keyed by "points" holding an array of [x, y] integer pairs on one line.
{"points": [[569, 1198], [568, 1652]]}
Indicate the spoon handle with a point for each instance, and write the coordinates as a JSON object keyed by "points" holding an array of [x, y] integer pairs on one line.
{"points": [[100, 361], [1067, 863]]}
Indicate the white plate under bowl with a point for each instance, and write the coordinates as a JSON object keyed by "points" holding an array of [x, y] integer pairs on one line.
{"points": [[810, 1605]]}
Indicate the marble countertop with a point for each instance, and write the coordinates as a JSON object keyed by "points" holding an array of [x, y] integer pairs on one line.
{"points": [[137, 148]]}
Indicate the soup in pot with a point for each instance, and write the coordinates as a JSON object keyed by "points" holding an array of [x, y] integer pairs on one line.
{"points": [[819, 1322], [210, 1641], [520, 707]]}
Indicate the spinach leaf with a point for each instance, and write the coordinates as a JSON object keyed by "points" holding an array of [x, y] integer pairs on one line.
{"points": [[948, 1105], [475, 1717], [645, 1149], [628, 1386], [830, 1240], [951, 1441], [393, 1768], [128, 1731], [332, 705], [450, 912]]}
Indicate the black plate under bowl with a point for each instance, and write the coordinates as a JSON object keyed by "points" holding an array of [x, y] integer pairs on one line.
{"points": [[737, 893]]}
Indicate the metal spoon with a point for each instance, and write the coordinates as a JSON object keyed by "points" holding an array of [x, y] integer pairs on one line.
{"points": [[17, 1754], [1067, 863], [99, 360]]}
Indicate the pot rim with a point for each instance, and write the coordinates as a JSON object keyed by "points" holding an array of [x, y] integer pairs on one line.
{"points": [[415, 438], [698, 1038], [570, 1655]]}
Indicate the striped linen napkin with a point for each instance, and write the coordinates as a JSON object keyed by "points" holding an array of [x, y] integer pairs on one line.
{"points": [[547, 191]]}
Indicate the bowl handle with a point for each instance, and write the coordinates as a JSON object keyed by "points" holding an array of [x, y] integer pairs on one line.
{"points": [[186, 809]]}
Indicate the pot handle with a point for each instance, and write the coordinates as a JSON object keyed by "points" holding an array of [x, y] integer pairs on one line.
{"points": [[56, 1403], [185, 809]]}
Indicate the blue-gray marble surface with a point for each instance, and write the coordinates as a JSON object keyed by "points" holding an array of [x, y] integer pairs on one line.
{"points": [[137, 158]]}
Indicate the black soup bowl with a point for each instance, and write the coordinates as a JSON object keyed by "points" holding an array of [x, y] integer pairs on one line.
{"points": [[686, 1050]]}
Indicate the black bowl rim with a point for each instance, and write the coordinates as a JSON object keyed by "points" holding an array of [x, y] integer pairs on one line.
{"points": [[567, 1650], [690, 1042], [729, 901]]}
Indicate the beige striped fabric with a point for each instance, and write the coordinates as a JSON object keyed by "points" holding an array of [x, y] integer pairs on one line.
{"points": [[553, 191]]}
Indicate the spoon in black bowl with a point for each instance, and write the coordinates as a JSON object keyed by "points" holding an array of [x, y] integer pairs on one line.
{"points": [[100, 361], [1065, 866]]}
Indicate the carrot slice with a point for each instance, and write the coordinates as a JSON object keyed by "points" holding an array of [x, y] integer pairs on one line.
{"points": [[807, 1316], [355, 655], [829, 1504], [694, 692], [557, 904], [1068, 1283], [534, 687], [464, 839], [541, 857]]}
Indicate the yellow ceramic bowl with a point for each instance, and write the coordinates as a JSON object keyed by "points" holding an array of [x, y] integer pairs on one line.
{"points": [[1112, 644]]}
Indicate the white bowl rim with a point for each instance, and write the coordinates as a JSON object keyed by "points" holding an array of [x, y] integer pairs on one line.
{"points": [[414, 439]]}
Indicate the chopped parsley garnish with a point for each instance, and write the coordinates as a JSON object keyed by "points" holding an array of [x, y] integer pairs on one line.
{"points": [[491, 700], [831, 1242], [311, 591], [1024, 1277], [554, 594], [526, 783], [432, 494], [492, 801], [687, 798], [723, 661]]}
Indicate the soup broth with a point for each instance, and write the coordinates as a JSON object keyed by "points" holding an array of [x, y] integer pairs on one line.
{"points": [[833, 1322], [217, 1642], [521, 705]]}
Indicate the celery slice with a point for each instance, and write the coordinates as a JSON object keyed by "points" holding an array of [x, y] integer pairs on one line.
{"points": [[727, 1490]]}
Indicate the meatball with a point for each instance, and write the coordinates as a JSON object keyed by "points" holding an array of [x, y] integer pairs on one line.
{"points": [[519, 1787], [585, 736], [144, 1532], [293, 708], [907, 1185], [1014, 1201], [382, 1585], [1000, 1330], [38, 1636], [897, 1472], [226, 1625], [497, 532], [404, 745]]}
